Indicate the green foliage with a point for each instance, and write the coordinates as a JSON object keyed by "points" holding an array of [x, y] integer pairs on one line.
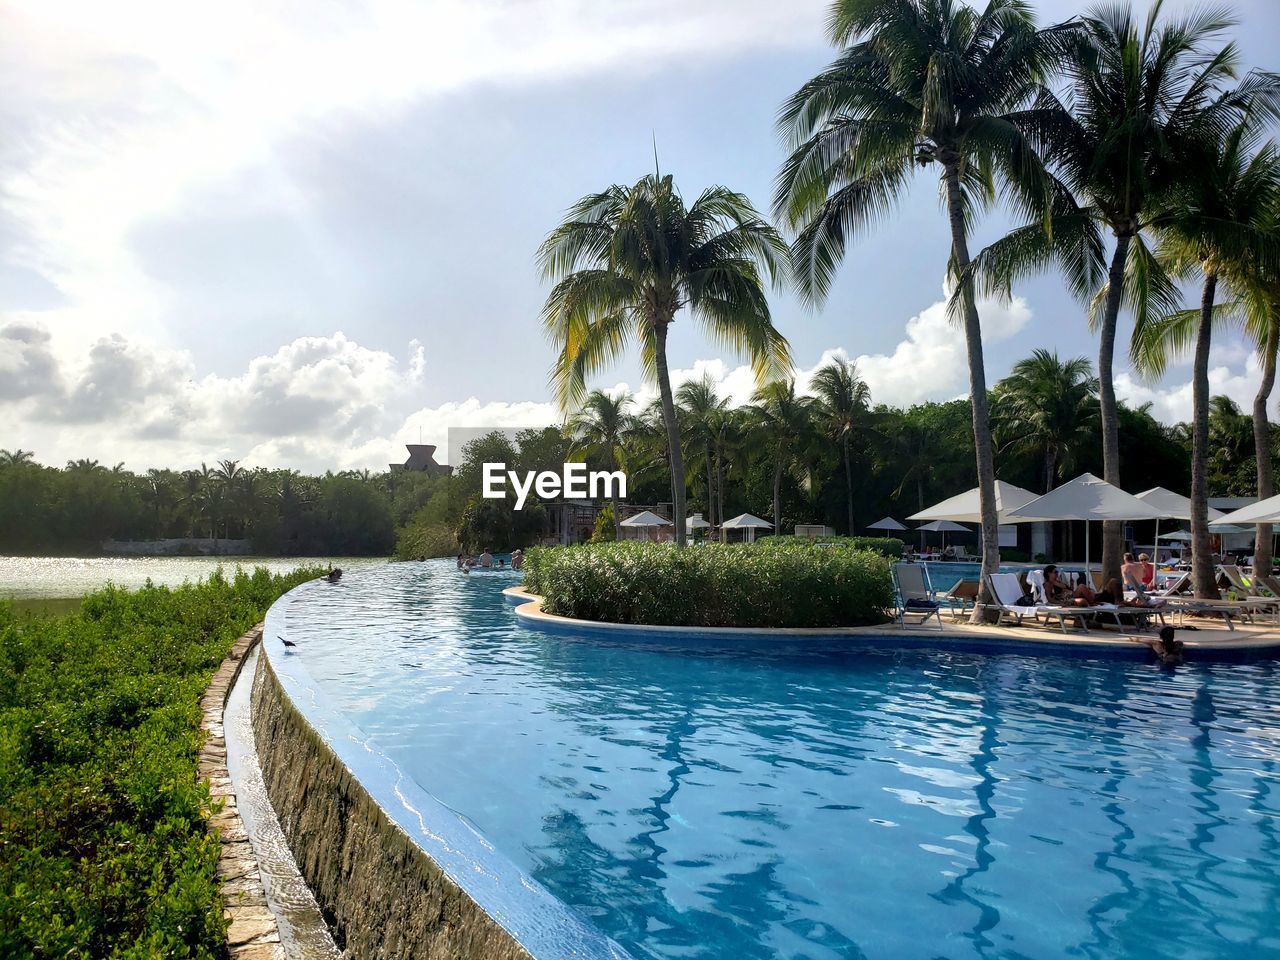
{"points": [[497, 525], [779, 582], [890, 547], [104, 851], [423, 539], [604, 531]]}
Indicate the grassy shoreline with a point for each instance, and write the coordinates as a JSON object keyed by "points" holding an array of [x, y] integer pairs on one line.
{"points": [[104, 852]]}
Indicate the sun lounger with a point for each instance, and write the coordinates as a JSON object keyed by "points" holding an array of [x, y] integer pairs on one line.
{"points": [[1236, 582], [1007, 591], [961, 598], [1171, 587], [1226, 609], [915, 597]]}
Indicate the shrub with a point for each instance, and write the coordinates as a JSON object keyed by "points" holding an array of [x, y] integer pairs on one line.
{"points": [[104, 850], [785, 583], [890, 547], [425, 539]]}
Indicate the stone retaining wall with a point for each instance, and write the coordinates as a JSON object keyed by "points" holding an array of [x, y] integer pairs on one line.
{"points": [[381, 894], [252, 933]]}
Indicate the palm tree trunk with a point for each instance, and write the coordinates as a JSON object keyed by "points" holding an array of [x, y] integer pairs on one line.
{"points": [[1262, 553], [848, 481], [1203, 574], [1050, 471], [676, 458], [777, 496], [984, 451], [613, 465], [711, 494], [719, 486], [1112, 530]]}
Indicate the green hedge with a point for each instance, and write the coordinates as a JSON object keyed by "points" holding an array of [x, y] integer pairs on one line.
{"points": [[786, 583], [103, 846], [890, 547]]}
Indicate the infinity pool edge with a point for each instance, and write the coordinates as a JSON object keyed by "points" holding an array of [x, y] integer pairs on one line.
{"points": [[399, 874]]}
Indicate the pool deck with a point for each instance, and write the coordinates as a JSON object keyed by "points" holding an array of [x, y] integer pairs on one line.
{"points": [[1211, 640]]}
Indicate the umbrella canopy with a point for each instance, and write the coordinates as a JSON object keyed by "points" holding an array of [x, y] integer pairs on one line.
{"points": [[646, 519], [887, 523], [1085, 498], [943, 526], [1173, 506], [1183, 535], [1264, 511], [744, 521], [966, 508], [696, 523]]}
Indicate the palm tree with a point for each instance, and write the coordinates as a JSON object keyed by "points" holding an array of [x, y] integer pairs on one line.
{"points": [[700, 410], [1139, 97], [1222, 231], [783, 419], [12, 458], [1263, 307], [600, 426], [1047, 407], [921, 82], [630, 259], [843, 399]]}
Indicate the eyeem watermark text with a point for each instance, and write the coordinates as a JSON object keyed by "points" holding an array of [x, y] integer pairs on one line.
{"points": [[574, 482]]}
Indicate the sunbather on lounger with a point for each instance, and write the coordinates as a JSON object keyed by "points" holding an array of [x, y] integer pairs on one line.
{"points": [[1056, 590], [1114, 593]]}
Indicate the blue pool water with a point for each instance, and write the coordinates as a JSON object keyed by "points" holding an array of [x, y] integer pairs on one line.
{"points": [[804, 800]]}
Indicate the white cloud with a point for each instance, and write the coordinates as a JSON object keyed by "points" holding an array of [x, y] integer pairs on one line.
{"points": [[117, 112], [1172, 403]]}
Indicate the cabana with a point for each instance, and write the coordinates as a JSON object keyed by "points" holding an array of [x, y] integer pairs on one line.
{"points": [[748, 524], [647, 520]]}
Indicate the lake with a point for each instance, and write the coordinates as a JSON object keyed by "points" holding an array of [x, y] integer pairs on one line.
{"points": [[40, 582]]}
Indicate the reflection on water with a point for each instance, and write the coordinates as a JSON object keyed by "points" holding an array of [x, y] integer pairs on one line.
{"points": [[31, 578], [819, 801]]}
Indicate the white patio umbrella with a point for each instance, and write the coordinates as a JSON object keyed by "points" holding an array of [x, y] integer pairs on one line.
{"points": [[886, 523], [749, 523], [1085, 498], [966, 508], [1181, 535], [647, 519], [1264, 511], [1174, 506], [943, 527], [695, 522]]}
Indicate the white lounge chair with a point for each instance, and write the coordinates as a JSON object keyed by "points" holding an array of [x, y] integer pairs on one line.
{"points": [[1007, 591], [915, 595]]}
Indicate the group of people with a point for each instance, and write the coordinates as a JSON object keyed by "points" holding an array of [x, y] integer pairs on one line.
{"points": [[486, 561], [1137, 575]]}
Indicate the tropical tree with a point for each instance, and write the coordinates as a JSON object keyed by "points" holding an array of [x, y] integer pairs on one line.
{"points": [[920, 83], [600, 427], [1141, 98], [843, 400], [629, 260], [1263, 307], [1047, 408], [1221, 231], [700, 410], [11, 458], [783, 420]]}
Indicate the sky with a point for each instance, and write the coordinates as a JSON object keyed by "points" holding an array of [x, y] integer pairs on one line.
{"points": [[302, 234]]}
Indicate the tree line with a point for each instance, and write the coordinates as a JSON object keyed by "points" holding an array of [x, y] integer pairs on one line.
{"points": [[1131, 150], [830, 455]]}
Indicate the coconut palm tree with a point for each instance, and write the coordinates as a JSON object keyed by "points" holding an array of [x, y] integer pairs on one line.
{"points": [[700, 410], [1263, 308], [1140, 97], [12, 458], [600, 427], [783, 420], [1047, 407], [843, 400], [1222, 232], [629, 260], [920, 83]]}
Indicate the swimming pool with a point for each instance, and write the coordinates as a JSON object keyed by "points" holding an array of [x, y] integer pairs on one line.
{"points": [[803, 799]]}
